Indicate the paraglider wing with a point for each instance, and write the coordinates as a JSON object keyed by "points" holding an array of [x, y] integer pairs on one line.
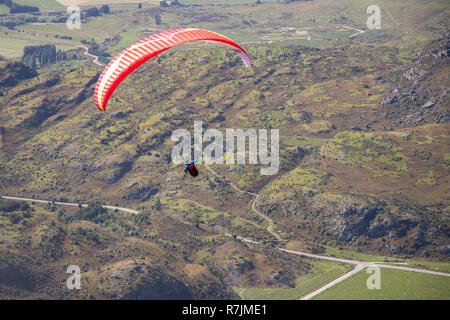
{"points": [[132, 57]]}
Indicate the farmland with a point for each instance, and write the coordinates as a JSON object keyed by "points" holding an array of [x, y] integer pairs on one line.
{"points": [[395, 285]]}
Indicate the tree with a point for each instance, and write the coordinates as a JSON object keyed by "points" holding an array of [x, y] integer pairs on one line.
{"points": [[157, 19], [105, 9], [45, 54], [157, 205], [91, 12], [17, 8], [8, 3]]}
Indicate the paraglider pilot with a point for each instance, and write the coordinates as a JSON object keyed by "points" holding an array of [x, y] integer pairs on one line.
{"points": [[191, 168]]}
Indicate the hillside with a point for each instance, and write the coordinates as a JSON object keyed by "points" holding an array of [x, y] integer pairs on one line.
{"points": [[151, 256], [364, 154], [418, 94], [79, 153]]}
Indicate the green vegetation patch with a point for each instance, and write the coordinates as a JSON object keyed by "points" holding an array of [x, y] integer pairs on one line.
{"points": [[349, 254], [299, 178], [196, 213], [42, 4], [429, 179], [380, 154], [318, 126], [395, 285], [321, 273]]}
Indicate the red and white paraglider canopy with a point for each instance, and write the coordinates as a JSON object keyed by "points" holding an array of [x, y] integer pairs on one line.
{"points": [[132, 57]]}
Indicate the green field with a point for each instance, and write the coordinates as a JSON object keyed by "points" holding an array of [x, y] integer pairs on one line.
{"points": [[243, 21], [109, 2], [359, 256], [395, 285], [430, 265], [86, 32], [3, 9], [9, 49], [322, 273], [14, 42], [42, 4]]}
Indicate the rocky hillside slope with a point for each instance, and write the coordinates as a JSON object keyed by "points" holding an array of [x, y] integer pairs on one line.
{"points": [[348, 177]]}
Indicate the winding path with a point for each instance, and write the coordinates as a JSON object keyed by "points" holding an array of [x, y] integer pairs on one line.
{"points": [[270, 228], [69, 204], [359, 265], [86, 53]]}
